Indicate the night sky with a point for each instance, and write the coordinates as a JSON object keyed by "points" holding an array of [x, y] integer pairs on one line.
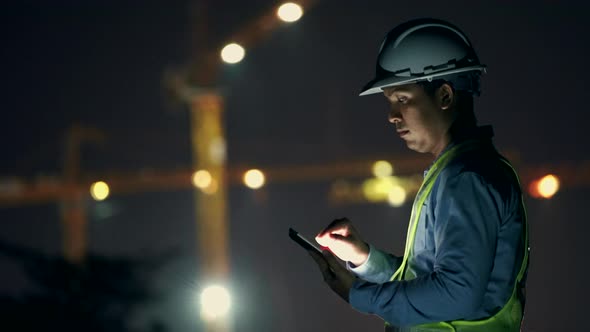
{"points": [[293, 100]]}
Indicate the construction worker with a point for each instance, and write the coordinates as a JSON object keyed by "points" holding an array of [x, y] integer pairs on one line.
{"points": [[466, 255]]}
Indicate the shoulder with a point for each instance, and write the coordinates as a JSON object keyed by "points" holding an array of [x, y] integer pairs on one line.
{"points": [[482, 171], [484, 165]]}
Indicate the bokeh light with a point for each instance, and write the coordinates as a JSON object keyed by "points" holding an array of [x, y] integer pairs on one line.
{"points": [[99, 191], [233, 53], [215, 302], [290, 12], [382, 169], [547, 186], [396, 196], [202, 179], [254, 179]]}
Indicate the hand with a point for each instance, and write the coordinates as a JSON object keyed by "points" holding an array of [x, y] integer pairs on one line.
{"points": [[335, 275], [344, 241]]}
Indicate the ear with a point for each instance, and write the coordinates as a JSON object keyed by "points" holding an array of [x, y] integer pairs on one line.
{"points": [[445, 96]]}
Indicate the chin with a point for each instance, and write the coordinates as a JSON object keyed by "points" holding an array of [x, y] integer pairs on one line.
{"points": [[412, 146], [419, 149]]}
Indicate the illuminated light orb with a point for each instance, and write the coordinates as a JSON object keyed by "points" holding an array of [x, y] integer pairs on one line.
{"points": [[382, 169], [290, 12], [233, 53], [99, 191], [202, 179], [254, 179], [384, 185], [548, 186], [397, 196], [215, 302], [371, 191]]}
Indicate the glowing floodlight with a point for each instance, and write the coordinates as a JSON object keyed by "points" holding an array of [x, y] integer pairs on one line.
{"points": [[290, 12], [215, 302], [99, 191], [254, 179], [233, 53], [544, 187]]}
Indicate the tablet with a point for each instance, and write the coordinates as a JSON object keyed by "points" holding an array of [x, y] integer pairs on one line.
{"points": [[302, 241]]}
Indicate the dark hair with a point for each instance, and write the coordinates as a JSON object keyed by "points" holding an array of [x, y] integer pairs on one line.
{"points": [[465, 115], [430, 87]]}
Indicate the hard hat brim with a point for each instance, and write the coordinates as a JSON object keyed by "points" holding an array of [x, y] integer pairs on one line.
{"points": [[378, 84]]}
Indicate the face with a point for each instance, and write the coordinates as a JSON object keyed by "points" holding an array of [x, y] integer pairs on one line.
{"points": [[422, 121]]}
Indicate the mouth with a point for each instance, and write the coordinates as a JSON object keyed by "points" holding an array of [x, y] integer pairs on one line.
{"points": [[402, 133]]}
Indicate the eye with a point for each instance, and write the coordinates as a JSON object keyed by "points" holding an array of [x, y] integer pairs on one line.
{"points": [[402, 99]]}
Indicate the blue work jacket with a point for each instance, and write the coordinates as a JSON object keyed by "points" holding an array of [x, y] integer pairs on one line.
{"points": [[467, 251]]}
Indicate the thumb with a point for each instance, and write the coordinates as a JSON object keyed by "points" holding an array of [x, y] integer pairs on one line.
{"points": [[341, 238]]}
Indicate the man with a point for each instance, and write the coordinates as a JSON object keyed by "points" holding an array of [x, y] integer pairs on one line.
{"points": [[466, 253]]}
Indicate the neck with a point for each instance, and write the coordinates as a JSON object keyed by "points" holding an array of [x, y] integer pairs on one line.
{"points": [[442, 145], [458, 132]]}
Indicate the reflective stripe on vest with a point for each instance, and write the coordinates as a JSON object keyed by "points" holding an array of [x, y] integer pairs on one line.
{"points": [[509, 318]]}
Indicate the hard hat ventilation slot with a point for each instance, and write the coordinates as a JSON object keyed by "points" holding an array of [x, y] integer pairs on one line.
{"points": [[449, 65], [403, 73]]}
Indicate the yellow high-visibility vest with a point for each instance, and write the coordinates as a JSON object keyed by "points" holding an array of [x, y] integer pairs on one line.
{"points": [[509, 318]]}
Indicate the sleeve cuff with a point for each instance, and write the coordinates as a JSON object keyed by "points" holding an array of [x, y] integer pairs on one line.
{"points": [[366, 267], [378, 268]]}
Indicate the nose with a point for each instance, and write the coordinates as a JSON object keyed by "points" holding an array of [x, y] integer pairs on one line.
{"points": [[394, 115]]}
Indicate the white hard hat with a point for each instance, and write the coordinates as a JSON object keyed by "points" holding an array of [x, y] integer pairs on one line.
{"points": [[424, 50]]}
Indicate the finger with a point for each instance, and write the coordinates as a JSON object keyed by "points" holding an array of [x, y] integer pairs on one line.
{"points": [[339, 237], [316, 256], [324, 241], [331, 260], [338, 226], [333, 240], [335, 225], [329, 257], [339, 247], [323, 265], [337, 270], [330, 239]]}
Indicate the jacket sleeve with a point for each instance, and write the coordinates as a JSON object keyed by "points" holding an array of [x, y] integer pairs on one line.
{"points": [[378, 268], [466, 222]]}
